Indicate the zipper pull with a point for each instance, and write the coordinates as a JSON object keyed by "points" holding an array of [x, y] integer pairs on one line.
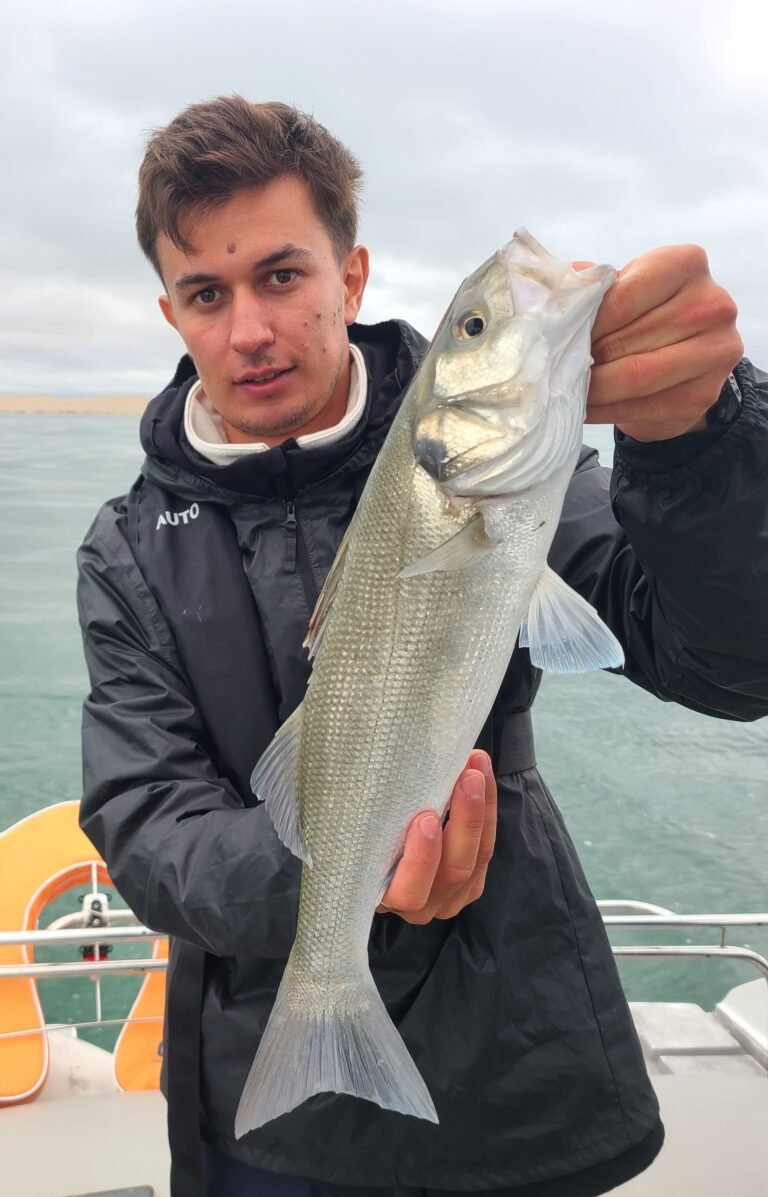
{"points": [[291, 525]]}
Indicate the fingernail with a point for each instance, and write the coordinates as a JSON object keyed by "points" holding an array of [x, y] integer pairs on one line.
{"points": [[430, 826], [473, 786], [479, 759]]}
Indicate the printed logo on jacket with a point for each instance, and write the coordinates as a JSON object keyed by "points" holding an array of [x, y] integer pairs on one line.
{"points": [[173, 518]]}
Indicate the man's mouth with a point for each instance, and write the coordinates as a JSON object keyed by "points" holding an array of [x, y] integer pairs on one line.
{"points": [[264, 379]]}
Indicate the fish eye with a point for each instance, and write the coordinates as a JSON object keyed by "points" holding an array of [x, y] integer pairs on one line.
{"points": [[471, 324]]}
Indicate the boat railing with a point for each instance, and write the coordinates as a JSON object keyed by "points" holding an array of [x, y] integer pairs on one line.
{"points": [[81, 936], [642, 915], [632, 915]]}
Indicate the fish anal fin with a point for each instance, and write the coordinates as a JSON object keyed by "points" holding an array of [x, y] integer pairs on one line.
{"points": [[563, 633], [274, 780]]}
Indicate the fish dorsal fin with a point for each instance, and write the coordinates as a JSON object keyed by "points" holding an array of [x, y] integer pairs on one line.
{"points": [[563, 633], [317, 622], [465, 548], [274, 780]]}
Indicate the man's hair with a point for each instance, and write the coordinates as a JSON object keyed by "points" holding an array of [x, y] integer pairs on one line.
{"points": [[212, 150]]}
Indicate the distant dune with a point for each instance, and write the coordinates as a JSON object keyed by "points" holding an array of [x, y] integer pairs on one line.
{"points": [[102, 405]]}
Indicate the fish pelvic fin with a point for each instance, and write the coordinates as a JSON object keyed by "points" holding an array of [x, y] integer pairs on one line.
{"points": [[275, 779], [321, 1040], [563, 633]]}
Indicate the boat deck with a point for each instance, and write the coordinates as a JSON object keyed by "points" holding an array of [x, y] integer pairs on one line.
{"points": [[85, 1137], [716, 1130], [713, 1096], [710, 1071]]}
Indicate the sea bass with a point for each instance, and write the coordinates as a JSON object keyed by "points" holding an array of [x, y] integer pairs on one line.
{"points": [[443, 565]]}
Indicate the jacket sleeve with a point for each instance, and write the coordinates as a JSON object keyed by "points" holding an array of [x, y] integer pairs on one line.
{"points": [[187, 855], [672, 550]]}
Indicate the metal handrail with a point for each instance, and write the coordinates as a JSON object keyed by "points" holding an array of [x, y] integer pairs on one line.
{"points": [[637, 915], [646, 915], [120, 914], [81, 935], [643, 916], [631, 904], [87, 968], [686, 920], [709, 952], [93, 1024]]}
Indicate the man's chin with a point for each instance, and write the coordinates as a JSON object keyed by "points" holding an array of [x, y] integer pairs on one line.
{"points": [[272, 427]]}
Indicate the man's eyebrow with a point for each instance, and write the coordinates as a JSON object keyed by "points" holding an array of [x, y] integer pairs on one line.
{"points": [[194, 280], [293, 252]]}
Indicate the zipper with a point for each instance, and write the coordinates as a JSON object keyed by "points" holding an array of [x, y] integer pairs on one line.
{"points": [[291, 526], [296, 556]]}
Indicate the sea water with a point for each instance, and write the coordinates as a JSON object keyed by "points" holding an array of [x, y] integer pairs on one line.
{"points": [[663, 804]]}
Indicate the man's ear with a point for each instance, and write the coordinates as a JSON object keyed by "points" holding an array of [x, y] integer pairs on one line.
{"points": [[165, 307], [355, 278]]}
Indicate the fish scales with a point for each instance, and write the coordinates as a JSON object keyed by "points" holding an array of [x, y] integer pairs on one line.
{"points": [[407, 694]]}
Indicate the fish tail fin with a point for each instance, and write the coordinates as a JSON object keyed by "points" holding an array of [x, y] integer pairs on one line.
{"points": [[340, 1042]]}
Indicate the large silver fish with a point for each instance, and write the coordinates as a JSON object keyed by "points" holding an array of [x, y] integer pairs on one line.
{"points": [[444, 563]]}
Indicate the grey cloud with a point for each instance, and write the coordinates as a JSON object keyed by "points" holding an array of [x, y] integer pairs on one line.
{"points": [[605, 128]]}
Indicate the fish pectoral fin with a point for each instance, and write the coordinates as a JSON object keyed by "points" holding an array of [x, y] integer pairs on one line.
{"points": [[469, 545], [318, 618], [274, 780], [563, 633]]}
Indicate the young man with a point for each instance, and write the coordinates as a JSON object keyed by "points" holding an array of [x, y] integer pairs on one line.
{"points": [[195, 592]]}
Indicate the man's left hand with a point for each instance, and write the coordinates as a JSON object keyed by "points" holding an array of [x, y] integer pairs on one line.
{"points": [[664, 343]]}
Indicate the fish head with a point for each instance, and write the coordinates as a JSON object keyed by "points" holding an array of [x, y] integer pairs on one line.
{"points": [[507, 373]]}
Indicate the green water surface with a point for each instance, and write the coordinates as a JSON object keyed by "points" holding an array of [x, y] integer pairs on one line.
{"points": [[663, 804]]}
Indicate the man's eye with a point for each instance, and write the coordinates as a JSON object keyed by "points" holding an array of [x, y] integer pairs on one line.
{"points": [[283, 277], [207, 296]]}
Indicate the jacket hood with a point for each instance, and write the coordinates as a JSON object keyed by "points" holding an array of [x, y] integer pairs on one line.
{"points": [[392, 351]]}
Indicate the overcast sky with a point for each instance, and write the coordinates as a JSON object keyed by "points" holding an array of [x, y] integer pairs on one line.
{"points": [[605, 127]]}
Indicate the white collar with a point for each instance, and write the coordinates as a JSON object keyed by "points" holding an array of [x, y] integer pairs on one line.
{"points": [[206, 433]]}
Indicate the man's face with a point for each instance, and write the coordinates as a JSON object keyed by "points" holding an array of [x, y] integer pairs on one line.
{"points": [[262, 305]]}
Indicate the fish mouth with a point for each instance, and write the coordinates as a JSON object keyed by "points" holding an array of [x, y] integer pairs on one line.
{"points": [[429, 442], [431, 454], [485, 468], [490, 444]]}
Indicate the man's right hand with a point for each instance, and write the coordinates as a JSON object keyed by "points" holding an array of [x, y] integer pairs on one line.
{"points": [[442, 870]]}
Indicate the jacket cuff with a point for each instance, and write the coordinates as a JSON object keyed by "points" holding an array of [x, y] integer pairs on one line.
{"points": [[659, 464], [660, 457]]}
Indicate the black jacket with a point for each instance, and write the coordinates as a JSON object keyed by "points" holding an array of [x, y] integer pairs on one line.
{"points": [[195, 590]]}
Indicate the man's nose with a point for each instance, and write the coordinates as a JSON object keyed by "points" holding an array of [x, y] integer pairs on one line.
{"points": [[251, 325]]}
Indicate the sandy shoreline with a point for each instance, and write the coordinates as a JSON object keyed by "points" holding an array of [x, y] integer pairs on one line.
{"points": [[102, 405]]}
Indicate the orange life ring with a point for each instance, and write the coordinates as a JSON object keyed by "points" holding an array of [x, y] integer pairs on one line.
{"points": [[41, 857]]}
